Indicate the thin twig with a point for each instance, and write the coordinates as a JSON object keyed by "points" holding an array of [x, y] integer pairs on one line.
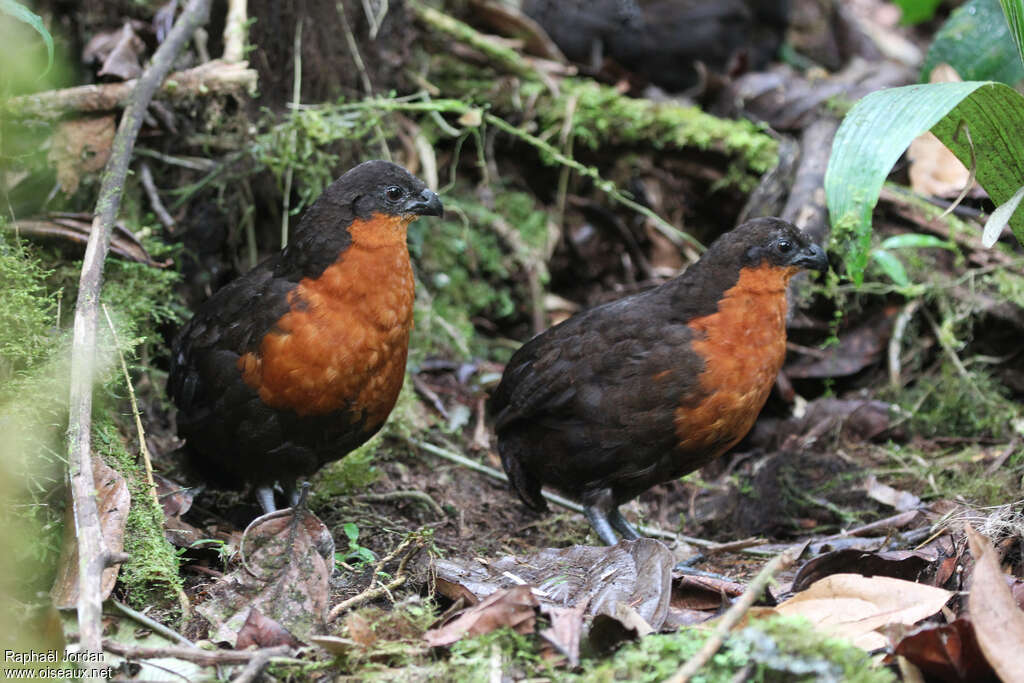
{"points": [[195, 655], [152, 624], [143, 448], [733, 615], [92, 556], [259, 662], [364, 76], [146, 176], [235, 30], [372, 593], [286, 200], [391, 496], [899, 328], [554, 497]]}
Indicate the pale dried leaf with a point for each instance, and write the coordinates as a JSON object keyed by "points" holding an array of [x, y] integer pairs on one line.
{"points": [[112, 503], [998, 622], [79, 147], [514, 608], [887, 495], [285, 578], [857, 607]]}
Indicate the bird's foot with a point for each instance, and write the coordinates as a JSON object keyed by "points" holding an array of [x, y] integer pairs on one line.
{"points": [[265, 497]]}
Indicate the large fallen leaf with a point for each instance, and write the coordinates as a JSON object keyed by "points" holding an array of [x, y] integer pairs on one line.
{"points": [[998, 622], [635, 573], [948, 652], [514, 608], [899, 564], [112, 502], [279, 594], [856, 607]]}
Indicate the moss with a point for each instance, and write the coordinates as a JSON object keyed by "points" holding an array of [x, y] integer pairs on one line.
{"points": [[476, 659], [150, 576], [951, 404], [776, 649], [604, 116], [474, 266]]}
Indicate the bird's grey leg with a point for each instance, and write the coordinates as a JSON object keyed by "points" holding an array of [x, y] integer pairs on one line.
{"points": [[598, 506], [622, 525], [265, 497]]}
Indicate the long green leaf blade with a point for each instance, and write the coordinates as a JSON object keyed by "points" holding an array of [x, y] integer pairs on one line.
{"points": [[870, 140], [24, 14], [1014, 11]]}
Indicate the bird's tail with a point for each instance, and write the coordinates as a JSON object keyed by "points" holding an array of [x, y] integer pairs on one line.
{"points": [[526, 485]]}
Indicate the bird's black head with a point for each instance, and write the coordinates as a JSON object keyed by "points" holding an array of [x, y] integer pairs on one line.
{"points": [[775, 242], [381, 187]]}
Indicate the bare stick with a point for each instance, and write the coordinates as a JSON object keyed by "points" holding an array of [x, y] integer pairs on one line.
{"points": [[92, 555], [553, 497], [196, 655], [143, 449], [152, 624], [372, 593], [735, 613], [259, 662], [234, 31], [146, 176], [286, 200], [207, 79]]}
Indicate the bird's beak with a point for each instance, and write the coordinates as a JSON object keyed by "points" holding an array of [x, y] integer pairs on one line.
{"points": [[426, 204], [812, 257]]}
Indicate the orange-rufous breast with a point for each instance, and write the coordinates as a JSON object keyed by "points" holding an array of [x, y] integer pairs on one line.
{"points": [[343, 344], [743, 345]]}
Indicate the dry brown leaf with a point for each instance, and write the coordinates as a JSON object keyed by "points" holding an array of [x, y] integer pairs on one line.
{"points": [[514, 608], [284, 576], [856, 607], [359, 629], [998, 622], [947, 652], [887, 495], [112, 502], [79, 147]]}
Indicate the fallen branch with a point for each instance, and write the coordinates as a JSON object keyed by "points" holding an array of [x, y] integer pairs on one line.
{"points": [[259, 662], [194, 655], [235, 31], [372, 593], [735, 613], [92, 555], [213, 78]]}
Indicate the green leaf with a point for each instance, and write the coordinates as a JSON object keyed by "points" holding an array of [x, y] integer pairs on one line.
{"points": [[24, 14], [976, 41], [891, 266], [915, 241], [879, 128], [352, 531], [1014, 12], [1000, 217], [916, 11]]}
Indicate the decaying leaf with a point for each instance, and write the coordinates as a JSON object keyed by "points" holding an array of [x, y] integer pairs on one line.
{"points": [[118, 51], [79, 147], [857, 349], [899, 564], [998, 622], [947, 652], [856, 607], [887, 495], [636, 573], [112, 502], [283, 575], [514, 608], [565, 630], [75, 227]]}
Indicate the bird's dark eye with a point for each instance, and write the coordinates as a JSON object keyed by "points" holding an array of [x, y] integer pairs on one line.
{"points": [[784, 246], [394, 193]]}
